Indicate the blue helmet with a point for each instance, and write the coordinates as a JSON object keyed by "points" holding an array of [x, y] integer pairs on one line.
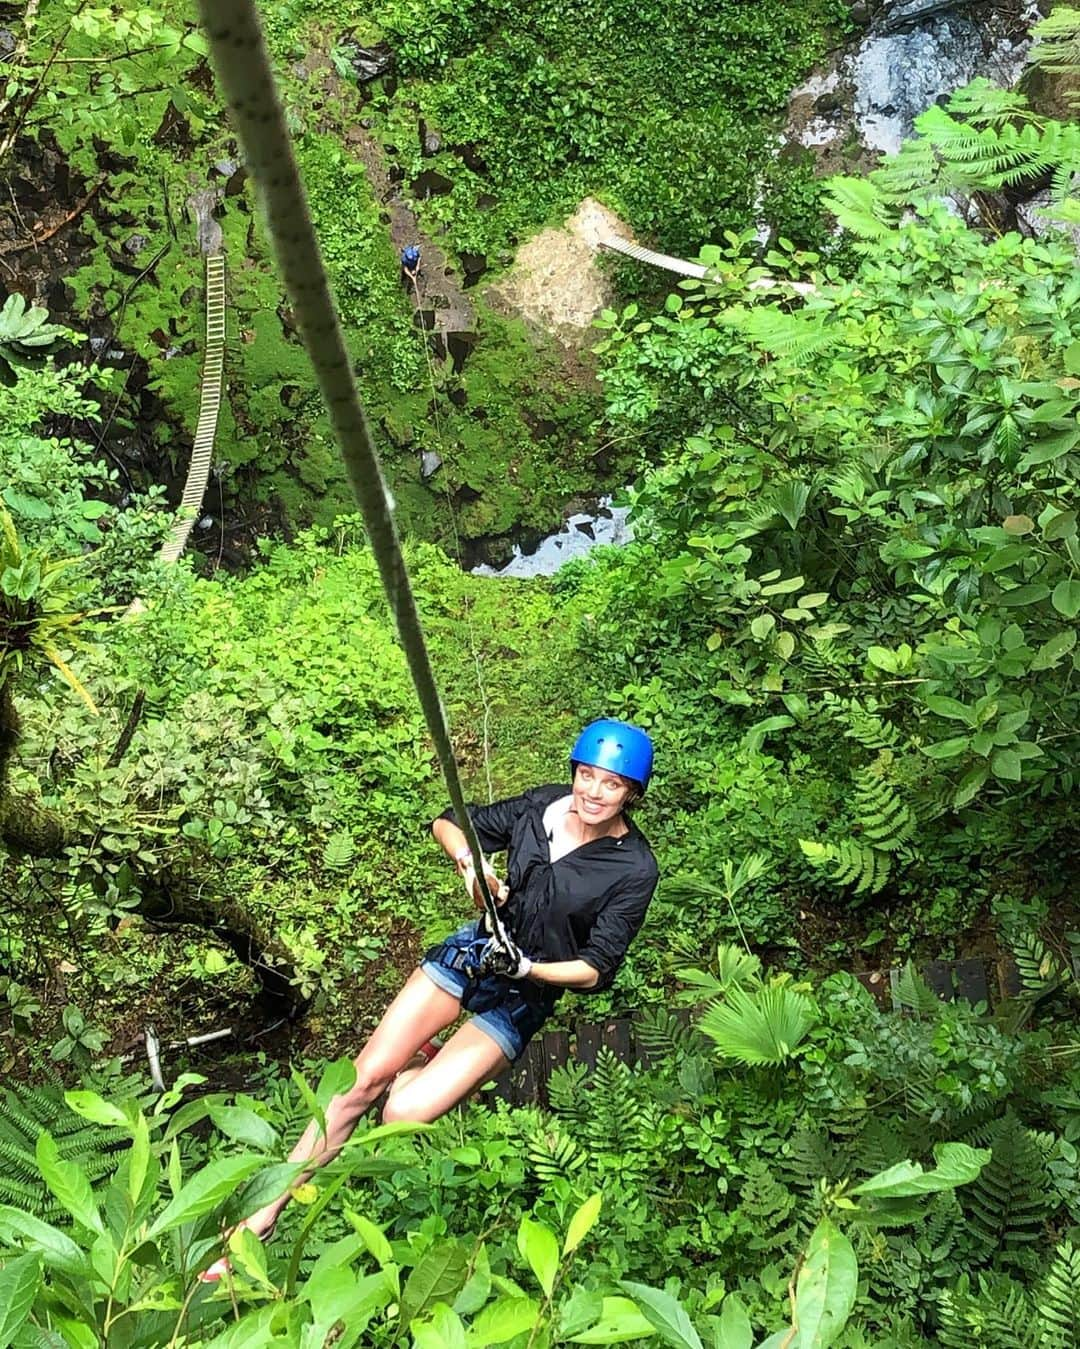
{"points": [[616, 747], [410, 253]]}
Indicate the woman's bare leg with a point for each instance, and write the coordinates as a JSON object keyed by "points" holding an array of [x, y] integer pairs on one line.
{"points": [[467, 1060], [419, 1011]]}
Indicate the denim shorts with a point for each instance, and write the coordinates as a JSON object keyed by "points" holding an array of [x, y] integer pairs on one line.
{"points": [[498, 1004]]}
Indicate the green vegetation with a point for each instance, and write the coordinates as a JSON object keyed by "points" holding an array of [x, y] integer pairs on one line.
{"points": [[848, 619]]}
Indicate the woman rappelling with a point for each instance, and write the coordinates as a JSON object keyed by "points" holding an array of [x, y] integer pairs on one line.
{"points": [[579, 878]]}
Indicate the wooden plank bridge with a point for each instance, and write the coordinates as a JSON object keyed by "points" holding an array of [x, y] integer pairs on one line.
{"points": [[975, 980]]}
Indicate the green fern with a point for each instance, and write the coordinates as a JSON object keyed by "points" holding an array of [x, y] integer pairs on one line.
{"points": [[1040, 971], [914, 994], [1059, 1300], [27, 1112], [998, 1315], [663, 1036], [1057, 47], [616, 1115], [793, 336], [870, 730], [850, 863], [340, 851], [567, 1091], [553, 1154], [860, 208], [1008, 1204], [768, 1206], [882, 823]]}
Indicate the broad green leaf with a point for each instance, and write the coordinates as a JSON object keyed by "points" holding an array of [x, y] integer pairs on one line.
{"points": [[20, 1280], [540, 1250], [1066, 598], [1027, 594], [825, 1288], [582, 1223], [762, 626], [442, 1330], [947, 749], [1052, 650], [244, 1126], [1018, 524], [249, 1255], [957, 1164], [1072, 358], [373, 1237], [138, 1157], [785, 587], [970, 785], [665, 1313], [951, 708], [620, 1321], [502, 1320], [736, 1331], [68, 1184], [1060, 526], [1006, 765], [91, 1106], [207, 1190], [477, 1287], [785, 645], [56, 1248], [437, 1277]]}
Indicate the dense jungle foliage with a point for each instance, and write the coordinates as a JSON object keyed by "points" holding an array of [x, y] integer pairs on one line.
{"points": [[847, 618]]}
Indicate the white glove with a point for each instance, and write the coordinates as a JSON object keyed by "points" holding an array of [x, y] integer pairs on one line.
{"points": [[507, 960]]}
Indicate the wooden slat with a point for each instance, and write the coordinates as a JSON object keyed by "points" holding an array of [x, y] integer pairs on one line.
{"points": [[616, 1037], [971, 982], [938, 974], [555, 1047], [878, 985], [534, 1082], [1008, 976], [587, 1044]]}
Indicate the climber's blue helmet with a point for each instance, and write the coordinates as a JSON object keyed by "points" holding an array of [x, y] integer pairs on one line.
{"points": [[410, 253], [616, 747]]}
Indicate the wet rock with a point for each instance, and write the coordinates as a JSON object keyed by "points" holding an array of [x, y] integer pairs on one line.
{"points": [[459, 346], [458, 396], [828, 104], [430, 141], [466, 493], [430, 463], [226, 167], [134, 244], [470, 156], [424, 318], [485, 201], [201, 206], [474, 265], [366, 63], [905, 13], [1028, 215], [7, 41], [431, 183], [583, 527], [860, 13], [207, 522]]}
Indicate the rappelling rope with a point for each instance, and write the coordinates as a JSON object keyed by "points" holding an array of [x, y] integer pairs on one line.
{"points": [[470, 630], [243, 67], [202, 450]]}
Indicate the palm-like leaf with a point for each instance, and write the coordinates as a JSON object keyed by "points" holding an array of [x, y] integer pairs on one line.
{"points": [[762, 1028]]}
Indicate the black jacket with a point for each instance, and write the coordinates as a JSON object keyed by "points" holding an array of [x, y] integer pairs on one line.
{"points": [[586, 906]]}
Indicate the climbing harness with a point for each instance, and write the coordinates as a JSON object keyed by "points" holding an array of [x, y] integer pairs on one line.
{"points": [[243, 68]]}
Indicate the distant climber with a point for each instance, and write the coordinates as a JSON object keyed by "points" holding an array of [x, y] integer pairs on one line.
{"points": [[410, 266]]}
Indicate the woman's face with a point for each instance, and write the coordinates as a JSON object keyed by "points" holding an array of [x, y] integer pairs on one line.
{"points": [[599, 796]]}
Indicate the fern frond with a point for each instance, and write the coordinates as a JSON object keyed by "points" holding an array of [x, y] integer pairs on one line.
{"points": [[1039, 969], [997, 1316], [793, 336], [914, 994], [1059, 1300], [552, 1153], [1008, 1203], [850, 863], [860, 207], [566, 1090]]}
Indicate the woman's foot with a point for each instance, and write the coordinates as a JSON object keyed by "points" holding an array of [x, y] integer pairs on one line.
{"points": [[217, 1271]]}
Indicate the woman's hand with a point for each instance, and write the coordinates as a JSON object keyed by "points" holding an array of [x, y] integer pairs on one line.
{"points": [[499, 890]]}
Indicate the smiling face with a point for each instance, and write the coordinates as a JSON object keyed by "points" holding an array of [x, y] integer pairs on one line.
{"points": [[599, 795]]}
